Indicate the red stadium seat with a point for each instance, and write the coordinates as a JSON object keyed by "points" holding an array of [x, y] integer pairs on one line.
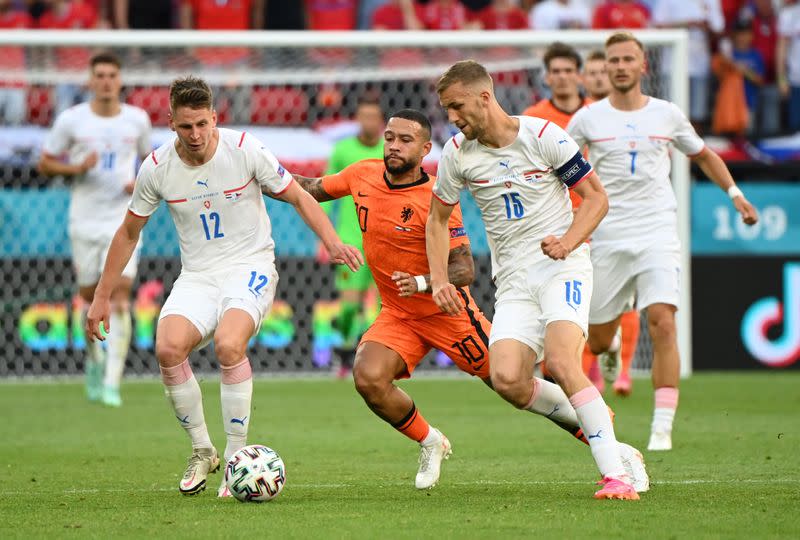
{"points": [[278, 106], [154, 100], [40, 105]]}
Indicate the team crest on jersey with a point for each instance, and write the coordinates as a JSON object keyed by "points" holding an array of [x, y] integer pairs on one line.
{"points": [[507, 184], [632, 144], [406, 214], [207, 204]]}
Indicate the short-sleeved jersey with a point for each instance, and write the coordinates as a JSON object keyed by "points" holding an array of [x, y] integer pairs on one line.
{"points": [[521, 189], [546, 109], [630, 152], [217, 207], [392, 220], [99, 200]]}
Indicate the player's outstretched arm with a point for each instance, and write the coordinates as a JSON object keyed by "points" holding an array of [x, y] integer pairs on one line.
{"points": [[593, 208], [437, 244], [315, 217], [460, 272], [51, 166], [312, 186], [119, 253], [714, 167]]}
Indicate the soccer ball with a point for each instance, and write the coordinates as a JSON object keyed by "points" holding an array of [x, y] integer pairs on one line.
{"points": [[255, 474]]}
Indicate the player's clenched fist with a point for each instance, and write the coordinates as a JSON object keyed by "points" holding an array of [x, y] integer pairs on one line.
{"points": [[746, 210], [447, 298], [344, 254], [406, 283], [554, 248], [98, 313]]}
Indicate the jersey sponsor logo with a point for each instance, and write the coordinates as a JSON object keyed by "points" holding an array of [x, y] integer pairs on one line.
{"points": [[402, 229], [203, 183], [505, 164], [562, 141], [363, 194], [456, 232], [406, 214], [632, 127]]}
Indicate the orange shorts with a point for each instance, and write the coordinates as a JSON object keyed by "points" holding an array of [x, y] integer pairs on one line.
{"points": [[465, 338]]}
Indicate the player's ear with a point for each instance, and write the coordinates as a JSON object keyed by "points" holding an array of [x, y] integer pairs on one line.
{"points": [[426, 148], [213, 118], [171, 120]]}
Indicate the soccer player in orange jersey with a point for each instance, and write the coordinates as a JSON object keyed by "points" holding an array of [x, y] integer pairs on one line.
{"points": [[392, 197], [563, 75]]}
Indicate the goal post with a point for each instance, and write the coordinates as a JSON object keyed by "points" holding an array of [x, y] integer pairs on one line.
{"points": [[310, 81]]}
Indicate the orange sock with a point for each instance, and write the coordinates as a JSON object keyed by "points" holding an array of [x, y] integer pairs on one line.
{"points": [[413, 425], [587, 359], [630, 336]]}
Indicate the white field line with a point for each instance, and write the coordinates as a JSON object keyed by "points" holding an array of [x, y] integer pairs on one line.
{"points": [[752, 481]]}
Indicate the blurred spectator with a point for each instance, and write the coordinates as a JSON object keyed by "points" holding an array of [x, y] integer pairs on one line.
{"points": [[764, 22], [280, 15], [221, 14], [331, 14], [730, 116], [731, 10], [559, 14], [704, 20], [396, 15], [446, 15], [595, 77], [621, 14], [12, 92], [366, 12], [746, 63], [788, 60], [158, 15], [502, 15], [68, 15]]}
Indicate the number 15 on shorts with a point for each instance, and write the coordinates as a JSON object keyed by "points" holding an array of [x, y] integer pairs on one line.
{"points": [[573, 292]]}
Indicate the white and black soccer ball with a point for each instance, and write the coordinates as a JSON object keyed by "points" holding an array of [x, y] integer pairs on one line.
{"points": [[255, 474]]}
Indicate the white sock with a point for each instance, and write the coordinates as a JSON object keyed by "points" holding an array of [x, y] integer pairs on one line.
{"points": [[235, 400], [550, 401], [119, 341], [662, 420], [187, 402], [596, 423], [434, 436]]}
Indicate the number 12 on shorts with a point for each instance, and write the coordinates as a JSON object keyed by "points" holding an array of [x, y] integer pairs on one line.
{"points": [[257, 282], [573, 292]]}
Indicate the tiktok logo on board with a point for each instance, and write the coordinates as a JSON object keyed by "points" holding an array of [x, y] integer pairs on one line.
{"points": [[768, 312]]}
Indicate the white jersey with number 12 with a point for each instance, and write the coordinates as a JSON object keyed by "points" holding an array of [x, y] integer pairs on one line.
{"points": [[217, 207]]}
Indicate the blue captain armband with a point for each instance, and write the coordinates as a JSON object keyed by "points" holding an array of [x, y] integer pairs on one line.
{"points": [[574, 170]]}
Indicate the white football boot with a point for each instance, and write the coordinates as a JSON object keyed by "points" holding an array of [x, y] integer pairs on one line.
{"points": [[203, 462], [634, 466], [223, 490], [430, 461], [660, 440]]}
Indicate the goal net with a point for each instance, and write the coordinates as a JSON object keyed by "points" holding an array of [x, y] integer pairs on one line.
{"points": [[295, 91]]}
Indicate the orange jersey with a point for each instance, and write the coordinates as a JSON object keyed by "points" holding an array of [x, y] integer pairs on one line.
{"points": [[547, 110], [392, 221]]}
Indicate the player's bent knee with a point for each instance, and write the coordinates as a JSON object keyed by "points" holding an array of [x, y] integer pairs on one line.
{"points": [[662, 329], [229, 349], [560, 367], [370, 381], [171, 353], [511, 385]]}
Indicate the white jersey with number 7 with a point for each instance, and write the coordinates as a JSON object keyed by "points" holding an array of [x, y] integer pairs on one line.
{"points": [[521, 189], [217, 207], [630, 152]]}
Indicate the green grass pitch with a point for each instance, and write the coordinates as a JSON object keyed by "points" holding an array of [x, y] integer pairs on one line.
{"points": [[75, 470]]}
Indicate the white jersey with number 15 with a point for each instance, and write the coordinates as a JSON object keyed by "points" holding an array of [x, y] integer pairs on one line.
{"points": [[217, 207], [521, 189], [630, 152]]}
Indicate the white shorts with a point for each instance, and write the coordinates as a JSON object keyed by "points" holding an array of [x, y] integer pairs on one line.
{"points": [[203, 297], [89, 258], [634, 277], [534, 296]]}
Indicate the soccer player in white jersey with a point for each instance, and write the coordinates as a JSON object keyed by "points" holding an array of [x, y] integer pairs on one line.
{"points": [[635, 249], [102, 141], [211, 180], [519, 170]]}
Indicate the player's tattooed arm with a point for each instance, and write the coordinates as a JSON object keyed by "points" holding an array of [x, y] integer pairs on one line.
{"points": [[460, 272], [312, 185]]}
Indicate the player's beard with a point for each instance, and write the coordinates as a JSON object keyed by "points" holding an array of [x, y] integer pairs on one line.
{"points": [[624, 88], [400, 169]]}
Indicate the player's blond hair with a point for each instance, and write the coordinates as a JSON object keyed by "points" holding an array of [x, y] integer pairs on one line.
{"points": [[192, 92], [466, 72], [623, 37]]}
